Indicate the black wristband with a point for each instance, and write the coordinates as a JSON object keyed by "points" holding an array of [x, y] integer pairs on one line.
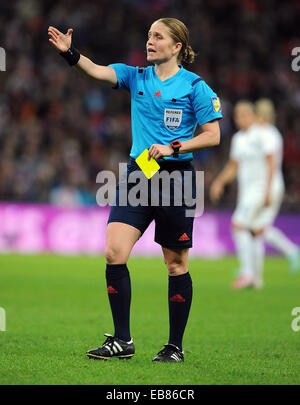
{"points": [[72, 55]]}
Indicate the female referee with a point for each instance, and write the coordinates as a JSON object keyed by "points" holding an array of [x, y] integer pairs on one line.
{"points": [[167, 101]]}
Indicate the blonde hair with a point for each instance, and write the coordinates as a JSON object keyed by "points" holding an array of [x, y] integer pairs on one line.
{"points": [[179, 33], [245, 103], [264, 108]]}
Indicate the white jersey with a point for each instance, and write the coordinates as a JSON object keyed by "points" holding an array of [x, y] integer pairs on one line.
{"points": [[250, 148]]}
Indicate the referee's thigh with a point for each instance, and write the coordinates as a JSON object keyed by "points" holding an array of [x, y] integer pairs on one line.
{"points": [[120, 239]]}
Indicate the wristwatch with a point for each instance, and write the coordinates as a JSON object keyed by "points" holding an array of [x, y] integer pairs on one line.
{"points": [[176, 145]]}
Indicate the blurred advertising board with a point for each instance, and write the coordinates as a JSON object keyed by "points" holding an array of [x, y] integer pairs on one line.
{"points": [[37, 228]]}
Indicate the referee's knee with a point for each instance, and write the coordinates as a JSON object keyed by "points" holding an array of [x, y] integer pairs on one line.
{"points": [[114, 255], [176, 269]]}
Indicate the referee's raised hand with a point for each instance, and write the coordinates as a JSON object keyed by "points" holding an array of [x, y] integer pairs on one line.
{"points": [[60, 41]]}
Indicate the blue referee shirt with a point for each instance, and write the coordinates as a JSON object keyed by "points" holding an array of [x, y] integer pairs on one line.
{"points": [[163, 111]]}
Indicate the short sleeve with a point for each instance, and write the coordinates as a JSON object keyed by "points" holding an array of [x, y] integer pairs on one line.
{"points": [[270, 142], [234, 153], [206, 103], [124, 74]]}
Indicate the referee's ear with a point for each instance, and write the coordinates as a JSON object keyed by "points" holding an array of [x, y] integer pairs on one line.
{"points": [[178, 47]]}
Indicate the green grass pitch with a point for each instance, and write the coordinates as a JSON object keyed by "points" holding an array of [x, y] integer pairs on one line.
{"points": [[57, 308]]}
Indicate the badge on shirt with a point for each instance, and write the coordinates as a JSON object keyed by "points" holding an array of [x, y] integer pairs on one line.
{"points": [[216, 104], [172, 118]]}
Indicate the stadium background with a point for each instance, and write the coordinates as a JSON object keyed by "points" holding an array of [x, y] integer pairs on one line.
{"points": [[58, 130]]}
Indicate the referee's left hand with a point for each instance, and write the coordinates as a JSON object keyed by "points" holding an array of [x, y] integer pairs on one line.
{"points": [[157, 151]]}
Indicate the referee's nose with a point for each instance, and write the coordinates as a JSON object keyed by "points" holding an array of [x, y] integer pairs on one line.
{"points": [[149, 42]]}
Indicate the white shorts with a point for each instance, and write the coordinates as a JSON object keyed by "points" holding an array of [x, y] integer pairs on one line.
{"points": [[251, 214]]}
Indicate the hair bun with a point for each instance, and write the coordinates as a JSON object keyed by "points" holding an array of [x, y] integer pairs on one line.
{"points": [[188, 55]]}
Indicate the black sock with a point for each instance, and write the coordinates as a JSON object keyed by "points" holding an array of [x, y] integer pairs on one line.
{"points": [[180, 298], [119, 294]]}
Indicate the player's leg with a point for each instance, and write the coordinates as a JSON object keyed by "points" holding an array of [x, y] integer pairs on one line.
{"points": [[258, 257], [180, 291], [242, 220], [126, 223], [120, 239], [243, 241], [264, 218], [278, 240], [175, 237], [243, 244], [174, 232], [275, 237]]}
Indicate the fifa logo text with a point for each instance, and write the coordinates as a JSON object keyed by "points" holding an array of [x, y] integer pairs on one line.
{"points": [[2, 60], [296, 60], [2, 320], [296, 322]]}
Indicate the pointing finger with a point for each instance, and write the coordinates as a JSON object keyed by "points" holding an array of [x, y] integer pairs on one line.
{"points": [[52, 34], [57, 32]]}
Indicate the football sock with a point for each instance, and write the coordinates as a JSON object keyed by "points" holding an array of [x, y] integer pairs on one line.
{"points": [[243, 246], [258, 258], [277, 239], [180, 298], [119, 294]]}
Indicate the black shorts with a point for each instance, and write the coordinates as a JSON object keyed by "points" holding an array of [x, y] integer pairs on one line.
{"points": [[165, 205]]}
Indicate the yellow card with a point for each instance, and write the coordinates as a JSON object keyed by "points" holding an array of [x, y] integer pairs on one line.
{"points": [[149, 167]]}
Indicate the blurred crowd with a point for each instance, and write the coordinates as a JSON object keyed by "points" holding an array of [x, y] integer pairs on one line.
{"points": [[58, 129]]}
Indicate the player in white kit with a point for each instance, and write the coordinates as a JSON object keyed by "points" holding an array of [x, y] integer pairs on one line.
{"points": [[265, 113], [255, 157]]}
